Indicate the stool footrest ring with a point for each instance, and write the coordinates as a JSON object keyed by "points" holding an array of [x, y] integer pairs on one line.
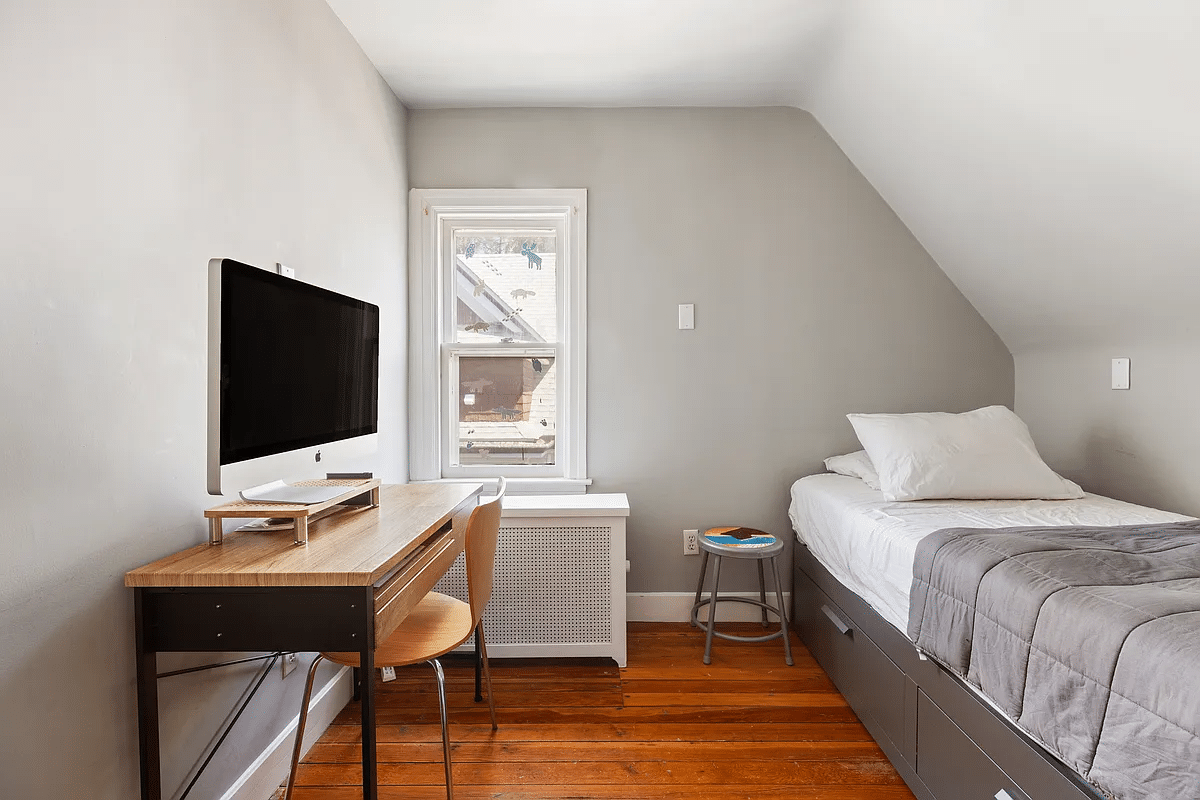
{"points": [[695, 620]]}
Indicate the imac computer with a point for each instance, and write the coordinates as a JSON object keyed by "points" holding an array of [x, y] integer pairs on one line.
{"points": [[293, 385]]}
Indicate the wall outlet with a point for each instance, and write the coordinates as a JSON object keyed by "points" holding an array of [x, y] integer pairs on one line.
{"points": [[691, 543], [288, 663], [389, 673]]}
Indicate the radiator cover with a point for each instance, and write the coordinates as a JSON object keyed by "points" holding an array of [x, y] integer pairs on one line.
{"points": [[559, 586]]}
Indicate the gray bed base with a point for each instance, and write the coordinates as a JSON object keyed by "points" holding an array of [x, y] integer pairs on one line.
{"points": [[944, 740]]}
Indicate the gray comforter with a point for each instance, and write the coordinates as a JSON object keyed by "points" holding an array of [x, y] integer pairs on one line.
{"points": [[1088, 638]]}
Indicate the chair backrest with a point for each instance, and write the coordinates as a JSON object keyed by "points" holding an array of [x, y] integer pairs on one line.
{"points": [[483, 533]]}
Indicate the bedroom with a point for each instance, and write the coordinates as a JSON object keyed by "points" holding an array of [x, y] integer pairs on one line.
{"points": [[974, 206]]}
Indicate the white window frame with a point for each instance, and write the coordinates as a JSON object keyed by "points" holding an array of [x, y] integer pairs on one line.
{"points": [[433, 429]]}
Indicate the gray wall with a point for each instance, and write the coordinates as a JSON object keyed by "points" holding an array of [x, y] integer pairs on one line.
{"points": [[812, 300], [1141, 445], [140, 140]]}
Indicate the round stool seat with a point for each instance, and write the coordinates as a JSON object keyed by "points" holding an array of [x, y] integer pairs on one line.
{"points": [[740, 543], [745, 543]]}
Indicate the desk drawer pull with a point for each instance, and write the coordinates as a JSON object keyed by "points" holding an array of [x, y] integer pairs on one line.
{"points": [[412, 569], [842, 627], [406, 589]]}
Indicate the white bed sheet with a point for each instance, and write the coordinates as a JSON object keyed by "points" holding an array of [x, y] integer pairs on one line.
{"points": [[869, 543]]}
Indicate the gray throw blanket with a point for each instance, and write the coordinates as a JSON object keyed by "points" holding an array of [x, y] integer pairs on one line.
{"points": [[1089, 638]]}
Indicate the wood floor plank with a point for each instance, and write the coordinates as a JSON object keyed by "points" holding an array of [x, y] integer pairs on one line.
{"points": [[418, 702], [666, 727], [464, 680], [633, 773], [611, 732], [800, 681], [825, 699], [690, 670], [581, 751], [604, 792], [832, 708]]}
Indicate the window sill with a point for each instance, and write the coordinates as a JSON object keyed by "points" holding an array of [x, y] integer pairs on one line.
{"points": [[526, 486]]}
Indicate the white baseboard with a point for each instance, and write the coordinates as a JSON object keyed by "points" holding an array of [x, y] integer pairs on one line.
{"points": [[677, 607], [262, 778]]}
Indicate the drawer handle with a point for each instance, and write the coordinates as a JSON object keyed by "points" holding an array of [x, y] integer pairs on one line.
{"points": [[842, 627], [1003, 795]]}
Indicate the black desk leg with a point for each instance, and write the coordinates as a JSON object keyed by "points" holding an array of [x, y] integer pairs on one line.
{"points": [[366, 661], [147, 699]]}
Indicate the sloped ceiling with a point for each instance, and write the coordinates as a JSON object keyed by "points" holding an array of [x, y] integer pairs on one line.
{"points": [[1045, 152]]}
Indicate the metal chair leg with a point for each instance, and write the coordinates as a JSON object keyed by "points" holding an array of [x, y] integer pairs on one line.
{"points": [[441, 686], [762, 592], [783, 619], [308, 684], [699, 588], [712, 610], [478, 664], [487, 672]]}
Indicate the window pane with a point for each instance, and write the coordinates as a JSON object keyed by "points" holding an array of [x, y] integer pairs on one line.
{"points": [[506, 410], [506, 285]]}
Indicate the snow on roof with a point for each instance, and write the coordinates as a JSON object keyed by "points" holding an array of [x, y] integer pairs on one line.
{"points": [[504, 285]]}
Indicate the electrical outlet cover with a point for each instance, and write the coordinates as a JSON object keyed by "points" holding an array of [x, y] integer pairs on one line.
{"points": [[288, 663]]}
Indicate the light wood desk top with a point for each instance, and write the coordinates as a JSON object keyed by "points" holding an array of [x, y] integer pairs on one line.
{"points": [[357, 547]]}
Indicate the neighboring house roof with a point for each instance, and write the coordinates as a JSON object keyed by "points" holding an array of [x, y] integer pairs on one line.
{"points": [[510, 288]]}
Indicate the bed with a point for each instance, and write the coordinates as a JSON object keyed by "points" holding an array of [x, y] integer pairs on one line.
{"points": [[853, 578]]}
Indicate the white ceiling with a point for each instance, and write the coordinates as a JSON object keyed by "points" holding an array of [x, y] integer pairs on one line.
{"points": [[469, 53], [1045, 152]]}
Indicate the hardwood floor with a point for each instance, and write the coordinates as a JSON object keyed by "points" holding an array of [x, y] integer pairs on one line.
{"points": [[665, 728]]}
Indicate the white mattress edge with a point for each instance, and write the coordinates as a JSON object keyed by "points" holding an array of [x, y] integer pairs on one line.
{"points": [[869, 543]]}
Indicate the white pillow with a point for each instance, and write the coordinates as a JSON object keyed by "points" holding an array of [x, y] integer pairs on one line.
{"points": [[856, 465], [986, 454]]}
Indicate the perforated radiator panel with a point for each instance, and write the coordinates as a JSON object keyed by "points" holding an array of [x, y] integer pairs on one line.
{"points": [[553, 587]]}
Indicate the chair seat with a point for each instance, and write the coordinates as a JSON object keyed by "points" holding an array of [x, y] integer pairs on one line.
{"points": [[738, 542], [437, 625]]}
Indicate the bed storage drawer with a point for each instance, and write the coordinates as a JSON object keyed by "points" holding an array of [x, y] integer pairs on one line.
{"points": [[951, 764], [977, 731], [878, 690]]}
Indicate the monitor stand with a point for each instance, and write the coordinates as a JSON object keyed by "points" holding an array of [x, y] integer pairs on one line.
{"points": [[339, 493]]}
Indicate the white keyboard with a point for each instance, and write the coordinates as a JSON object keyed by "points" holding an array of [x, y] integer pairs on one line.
{"points": [[280, 492]]}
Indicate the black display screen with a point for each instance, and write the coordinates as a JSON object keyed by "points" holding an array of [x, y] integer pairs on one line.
{"points": [[299, 364]]}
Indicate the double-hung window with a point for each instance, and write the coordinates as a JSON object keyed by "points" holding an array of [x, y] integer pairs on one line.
{"points": [[497, 336]]}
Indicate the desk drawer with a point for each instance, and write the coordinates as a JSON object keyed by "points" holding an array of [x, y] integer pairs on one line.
{"points": [[398, 593]]}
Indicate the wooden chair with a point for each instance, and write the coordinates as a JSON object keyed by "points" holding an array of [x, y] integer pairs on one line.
{"points": [[437, 625]]}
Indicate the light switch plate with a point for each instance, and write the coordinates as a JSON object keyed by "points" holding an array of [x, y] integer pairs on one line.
{"points": [[1120, 373], [687, 316]]}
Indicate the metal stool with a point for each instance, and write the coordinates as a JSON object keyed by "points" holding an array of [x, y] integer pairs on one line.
{"points": [[740, 543]]}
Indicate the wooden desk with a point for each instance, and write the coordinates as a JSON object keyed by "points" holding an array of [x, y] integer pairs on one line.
{"points": [[360, 574]]}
